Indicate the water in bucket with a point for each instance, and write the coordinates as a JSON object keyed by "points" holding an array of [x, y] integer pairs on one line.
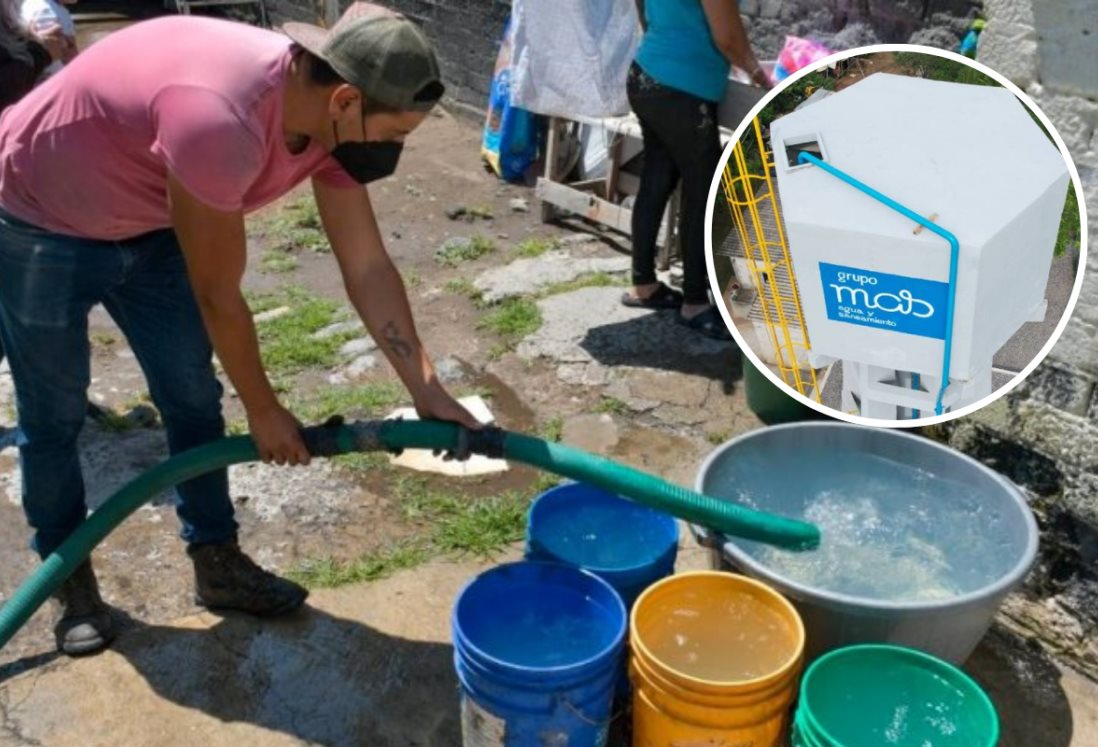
{"points": [[715, 660], [890, 531], [547, 630], [719, 638], [591, 537], [627, 545], [537, 650], [880, 696]]}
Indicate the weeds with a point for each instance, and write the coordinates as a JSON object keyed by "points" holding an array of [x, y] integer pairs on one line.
{"points": [[535, 247], [457, 251]]}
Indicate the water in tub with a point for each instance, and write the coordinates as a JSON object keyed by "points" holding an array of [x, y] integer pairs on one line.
{"points": [[889, 531]]}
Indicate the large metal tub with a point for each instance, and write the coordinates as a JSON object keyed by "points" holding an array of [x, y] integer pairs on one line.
{"points": [[948, 628]]}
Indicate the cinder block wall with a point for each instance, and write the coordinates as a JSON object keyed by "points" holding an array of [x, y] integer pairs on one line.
{"points": [[466, 32]]}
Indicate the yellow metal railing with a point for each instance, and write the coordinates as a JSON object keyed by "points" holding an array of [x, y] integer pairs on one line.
{"points": [[767, 256]]}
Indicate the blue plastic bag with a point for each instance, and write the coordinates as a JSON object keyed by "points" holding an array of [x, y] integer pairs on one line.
{"points": [[510, 144]]}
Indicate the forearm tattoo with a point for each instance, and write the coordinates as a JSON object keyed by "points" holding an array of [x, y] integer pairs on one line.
{"points": [[400, 347]]}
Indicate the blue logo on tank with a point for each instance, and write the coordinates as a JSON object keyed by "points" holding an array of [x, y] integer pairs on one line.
{"points": [[893, 303]]}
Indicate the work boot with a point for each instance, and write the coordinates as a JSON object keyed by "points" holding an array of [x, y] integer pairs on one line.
{"points": [[227, 579], [85, 625]]}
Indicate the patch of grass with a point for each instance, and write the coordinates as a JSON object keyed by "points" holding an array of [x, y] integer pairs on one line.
{"points": [[611, 405], [113, 421], [135, 412], [535, 247], [237, 427], [286, 341], [278, 261], [260, 302], [372, 399], [482, 211], [483, 526], [328, 573], [513, 319], [1070, 233], [498, 350], [464, 524], [552, 429], [462, 287], [467, 251], [371, 461], [296, 227], [717, 437], [589, 280], [932, 67], [413, 279], [545, 481]]}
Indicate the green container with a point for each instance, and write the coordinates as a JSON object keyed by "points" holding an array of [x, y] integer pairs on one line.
{"points": [[770, 403], [880, 696]]}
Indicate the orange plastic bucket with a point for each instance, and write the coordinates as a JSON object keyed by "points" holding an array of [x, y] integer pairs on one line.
{"points": [[715, 660]]}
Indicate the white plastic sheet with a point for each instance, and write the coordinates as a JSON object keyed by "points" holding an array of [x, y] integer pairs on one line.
{"points": [[571, 57]]}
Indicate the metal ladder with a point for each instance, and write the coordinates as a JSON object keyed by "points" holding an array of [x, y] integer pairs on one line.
{"points": [[756, 216]]}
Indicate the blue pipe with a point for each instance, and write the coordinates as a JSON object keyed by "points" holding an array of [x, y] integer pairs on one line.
{"points": [[915, 386], [954, 252]]}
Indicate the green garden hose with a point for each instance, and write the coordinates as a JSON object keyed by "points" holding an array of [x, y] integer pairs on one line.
{"points": [[394, 435]]}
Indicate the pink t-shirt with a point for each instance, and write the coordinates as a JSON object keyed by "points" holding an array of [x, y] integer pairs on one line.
{"points": [[88, 152]]}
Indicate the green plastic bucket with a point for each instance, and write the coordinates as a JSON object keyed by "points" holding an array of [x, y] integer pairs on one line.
{"points": [[770, 403], [880, 696]]}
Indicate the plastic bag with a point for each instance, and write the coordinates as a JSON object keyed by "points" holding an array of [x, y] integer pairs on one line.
{"points": [[796, 54], [510, 144]]}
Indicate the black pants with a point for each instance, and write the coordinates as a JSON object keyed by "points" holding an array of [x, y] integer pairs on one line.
{"points": [[680, 141]]}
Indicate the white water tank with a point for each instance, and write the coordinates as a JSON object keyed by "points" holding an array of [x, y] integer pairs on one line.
{"points": [[873, 287]]}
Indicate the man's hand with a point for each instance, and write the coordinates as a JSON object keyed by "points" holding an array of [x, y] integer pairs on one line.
{"points": [[435, 403], [277, 436]]}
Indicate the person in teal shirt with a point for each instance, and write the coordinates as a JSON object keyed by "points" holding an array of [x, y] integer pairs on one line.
{"points": [[675, 83]]}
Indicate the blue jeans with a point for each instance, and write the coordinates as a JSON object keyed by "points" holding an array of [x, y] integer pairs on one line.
{"points": [[48, 285]]}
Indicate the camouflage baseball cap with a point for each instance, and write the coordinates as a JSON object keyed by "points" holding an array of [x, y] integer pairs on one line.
{"points": [[378, 51]]}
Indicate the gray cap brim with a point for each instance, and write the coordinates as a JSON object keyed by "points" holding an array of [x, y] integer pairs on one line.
{"points": [[312, 38]]}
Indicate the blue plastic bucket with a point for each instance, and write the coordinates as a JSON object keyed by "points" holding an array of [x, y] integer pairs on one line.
{"points": [[625, 544], [538, 650]]}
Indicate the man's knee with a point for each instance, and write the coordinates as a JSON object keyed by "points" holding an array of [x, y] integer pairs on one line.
{"points": [[194, 398]]}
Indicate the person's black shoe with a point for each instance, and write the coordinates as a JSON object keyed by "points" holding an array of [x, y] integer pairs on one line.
{"points": [[85, 626], [227, 579]]}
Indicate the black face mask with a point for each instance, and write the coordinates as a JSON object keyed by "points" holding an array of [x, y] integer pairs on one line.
{"points": [[367, 161]]}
